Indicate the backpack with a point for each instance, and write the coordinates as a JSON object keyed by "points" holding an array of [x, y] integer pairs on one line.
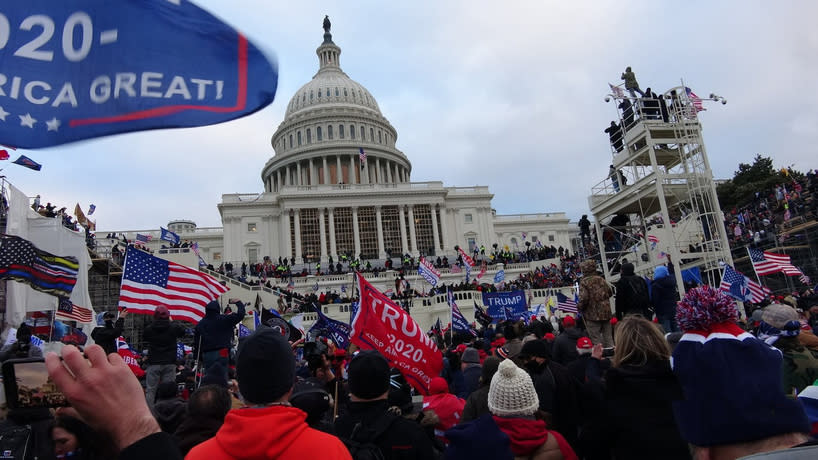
{"points": [[361, 443], [15, 442]]}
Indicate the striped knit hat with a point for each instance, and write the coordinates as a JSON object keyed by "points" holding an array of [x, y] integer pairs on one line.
{"points": [[512, 393], [731, 380]]}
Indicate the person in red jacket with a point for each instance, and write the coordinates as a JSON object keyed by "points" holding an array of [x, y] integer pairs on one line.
{"points": [[447, 407], [269, 428]]}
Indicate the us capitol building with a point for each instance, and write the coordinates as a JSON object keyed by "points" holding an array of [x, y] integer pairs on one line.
{"points": [[323, 197]]}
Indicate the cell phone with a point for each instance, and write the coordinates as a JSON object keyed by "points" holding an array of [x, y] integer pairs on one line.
{"points": [[28, 386]]}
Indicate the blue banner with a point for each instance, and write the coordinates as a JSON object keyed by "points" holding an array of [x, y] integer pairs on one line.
{"points": [[80, 69], [336, 330], [499, 277], [168, 235], [506, 305]]}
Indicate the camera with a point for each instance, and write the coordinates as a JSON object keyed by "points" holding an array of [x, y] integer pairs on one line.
{"points": [[28, 385]]}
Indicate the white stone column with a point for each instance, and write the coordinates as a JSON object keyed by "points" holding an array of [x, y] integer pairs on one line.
{"points": [[278, 181], [435, 235], [326, 171], [298, 173], [389, 172], [338, 172], [381, 252], [356, 231], [378, 175], [404, 248], [313, 175], [284, 242], [332, 249], [322, 233], [412, 232], [352, 172], [297, 217]]}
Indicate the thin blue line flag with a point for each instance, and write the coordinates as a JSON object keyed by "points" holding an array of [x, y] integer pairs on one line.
{"points": [[82, 69]]}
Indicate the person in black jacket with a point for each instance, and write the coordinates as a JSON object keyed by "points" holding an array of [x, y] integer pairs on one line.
{"points": [[368, 413], [664, 295], [471, 372], [106, 335], [213, 334], [477, 405], [160, 337], [564, 349], [631, 410], [632, 295]]}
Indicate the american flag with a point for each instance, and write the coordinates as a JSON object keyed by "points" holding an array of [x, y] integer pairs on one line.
{"points": [[653, 239], [456, 269], [143, 238], [21, 261], [804, 278], [565, 304], [149, 281], [696, 100], [766, 263], [290, 284], [617, 91], [738, 286], [68, 311], [362, 155]]}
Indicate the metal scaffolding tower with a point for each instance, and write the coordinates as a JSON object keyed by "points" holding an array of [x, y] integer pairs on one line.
{"points": [[659, 199]]}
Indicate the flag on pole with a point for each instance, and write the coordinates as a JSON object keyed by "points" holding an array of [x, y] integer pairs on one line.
{"points": [[21, 261], [68, 311], [480, 315], [616, 90], [168, 235], [459, 322], [428, 272], [695, 100], [565, 304], [804, 278], [130, 357], [456, 269], [91, 209], [149, 281], [765, 263], [144, 239], [28, 163], [334, 329], [362, 156], [738, 286]]}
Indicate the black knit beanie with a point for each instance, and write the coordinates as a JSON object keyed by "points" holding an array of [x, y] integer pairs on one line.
{"points": [[265, 367], [368, 375]]}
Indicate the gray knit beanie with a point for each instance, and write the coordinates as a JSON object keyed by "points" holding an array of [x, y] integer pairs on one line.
{"points": [[511, 393]]}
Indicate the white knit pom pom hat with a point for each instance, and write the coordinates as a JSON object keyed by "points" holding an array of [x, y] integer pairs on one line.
{"points": [[512, 393]]}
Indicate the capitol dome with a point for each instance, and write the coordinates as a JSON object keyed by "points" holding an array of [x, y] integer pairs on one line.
{"points": [[333, 133]]}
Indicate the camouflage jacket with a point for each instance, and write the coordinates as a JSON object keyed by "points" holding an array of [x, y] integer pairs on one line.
{"points": [[799, 370], [594, 295]]}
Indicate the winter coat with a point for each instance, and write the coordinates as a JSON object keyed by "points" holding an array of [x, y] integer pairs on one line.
{"points": [[563, 405], [530, 439], [160, 337], [157, 445], [477, 404], [275, 432], [194, 431], [480, 438], [633, 417], [471, 380], [565, 346], [594, 294], [663, 293], [403, 439], [630, 79], [105, 336], [215, 331], [632, 294]]}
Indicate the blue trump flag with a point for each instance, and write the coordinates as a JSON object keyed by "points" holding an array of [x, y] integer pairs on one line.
{"points": [[168, 235], [336, 330], [505, 305], [81, 69]]}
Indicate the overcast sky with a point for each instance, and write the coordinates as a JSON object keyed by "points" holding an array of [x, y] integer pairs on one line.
{"points": [[504, 94]]}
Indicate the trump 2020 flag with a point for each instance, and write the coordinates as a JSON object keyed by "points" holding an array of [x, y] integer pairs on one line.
{"points": [[81, 69], [168, 235], [149, 281]]}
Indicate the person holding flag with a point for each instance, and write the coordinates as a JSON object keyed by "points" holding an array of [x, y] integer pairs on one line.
{"points": [[106, 334], [161, 336]]}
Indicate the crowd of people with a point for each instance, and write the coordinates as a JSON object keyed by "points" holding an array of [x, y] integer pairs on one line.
{"points": [[658, 377]]}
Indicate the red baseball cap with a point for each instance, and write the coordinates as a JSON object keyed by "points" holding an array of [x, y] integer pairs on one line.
{"points": [[549, 336], [584, 343], [568, 321], [460, 348]]}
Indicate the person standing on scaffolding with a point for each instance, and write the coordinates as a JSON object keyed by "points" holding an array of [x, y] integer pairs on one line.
{"points": [[630, 83]]}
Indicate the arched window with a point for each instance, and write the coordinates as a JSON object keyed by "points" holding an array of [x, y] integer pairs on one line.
{"points": [[319, 95], [352, 131], [337, 93], [309, 136], [329, 132], [340, 131], [319, 134], [291, 141], [298, 136], [380, 138], [345, 92], [372, 134], [327, 92], [363, 134]]}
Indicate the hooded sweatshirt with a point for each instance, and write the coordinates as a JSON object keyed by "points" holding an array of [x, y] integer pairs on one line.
{"points": [[214, 330], [663, 292], [276, 432], [530, 439]]}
